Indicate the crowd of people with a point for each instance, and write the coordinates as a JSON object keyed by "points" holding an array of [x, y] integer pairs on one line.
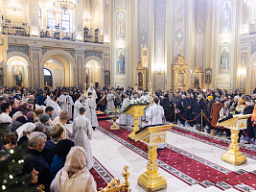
{"points": [[56, 125]]}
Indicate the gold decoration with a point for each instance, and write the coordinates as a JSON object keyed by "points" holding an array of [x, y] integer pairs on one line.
{"points": [[158, 139], [114, 127], [136, 112], [233, 155], [235, 124], [151, 180], [147, 140], [142, 76], [115, 184], [179, 73]]}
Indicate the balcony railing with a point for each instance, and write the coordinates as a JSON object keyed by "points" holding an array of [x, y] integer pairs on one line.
{"points": [[57, 33], [15, 28]]}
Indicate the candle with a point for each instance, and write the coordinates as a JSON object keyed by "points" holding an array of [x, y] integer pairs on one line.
{"points": [[85, 89]]}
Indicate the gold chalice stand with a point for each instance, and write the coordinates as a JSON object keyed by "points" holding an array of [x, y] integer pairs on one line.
{"points": [[136, 111], [114, 127], [237, 123], [152, 180]]}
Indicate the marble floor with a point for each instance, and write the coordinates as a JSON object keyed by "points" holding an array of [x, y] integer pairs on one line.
{"points": [[114, 156]]}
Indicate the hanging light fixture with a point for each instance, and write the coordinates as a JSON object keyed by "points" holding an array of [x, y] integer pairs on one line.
{"points": [[14, 6], [68, 4], [87, 17]]}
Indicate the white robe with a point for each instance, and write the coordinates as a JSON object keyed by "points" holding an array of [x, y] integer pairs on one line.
{"points": [[77, 106], [123, 120], [54, 104], [94, 95], [91, 112], [82, 131], [155, 114], [110, 101], [5, 118], [66, 104]]}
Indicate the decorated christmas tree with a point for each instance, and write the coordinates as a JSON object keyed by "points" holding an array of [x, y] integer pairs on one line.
{"points": [[12, 177]]}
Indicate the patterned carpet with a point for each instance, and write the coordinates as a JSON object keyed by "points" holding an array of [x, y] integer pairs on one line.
{"points": [[100, 174], [215, 141], [185, 166]]}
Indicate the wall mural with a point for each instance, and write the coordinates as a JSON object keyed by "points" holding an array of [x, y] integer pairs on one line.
{"points": [[226, 17], [120, 26], [18, 74], [224, 60], [120, 64]]}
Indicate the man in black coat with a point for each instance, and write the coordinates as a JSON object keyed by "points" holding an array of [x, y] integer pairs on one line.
{"points": [[36, 144]]}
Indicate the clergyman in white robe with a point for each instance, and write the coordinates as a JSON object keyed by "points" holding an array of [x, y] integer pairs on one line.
{"points": [[66, 103], [54, 104], [155, 116], [92, 90], [77, 106], [91, 112], [110, 101], [82, 132], [123, 120]]}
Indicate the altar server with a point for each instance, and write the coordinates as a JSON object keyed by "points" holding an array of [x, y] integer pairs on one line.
{"points": [[82, 131], [92, 90], [110, 100], [123, 120], [52, 101], [66, 103], [77, 106], [91, 111]]}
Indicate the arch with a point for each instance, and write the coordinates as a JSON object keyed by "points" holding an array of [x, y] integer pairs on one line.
{"points": [[87, 59], [18, 54], [253, 56], [64, 54]]}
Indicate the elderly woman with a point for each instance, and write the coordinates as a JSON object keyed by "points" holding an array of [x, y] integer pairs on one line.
{"points": [[224, 112], [240, 106], [74, 176]]}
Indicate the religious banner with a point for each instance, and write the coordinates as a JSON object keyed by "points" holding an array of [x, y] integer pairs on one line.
{"points": [[226, 17], [120, 64], [120, 26]]}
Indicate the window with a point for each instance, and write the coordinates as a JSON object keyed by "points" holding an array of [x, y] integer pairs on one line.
{"points": [[40, 17], [65, 20], [51, 20], [47, 72]]}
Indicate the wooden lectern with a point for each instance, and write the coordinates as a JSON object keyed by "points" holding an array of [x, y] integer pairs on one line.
{"points": [[136, 111], [153, 136], [235, 124]]}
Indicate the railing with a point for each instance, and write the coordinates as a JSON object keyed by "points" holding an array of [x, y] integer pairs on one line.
{"points": [[15, 28], [57, 33]]}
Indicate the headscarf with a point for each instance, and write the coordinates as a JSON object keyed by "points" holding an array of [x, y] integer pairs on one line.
{"points": [[76, 160]]}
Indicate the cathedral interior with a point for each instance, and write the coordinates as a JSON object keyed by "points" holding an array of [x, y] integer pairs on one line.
{"points": [[149, 43]]}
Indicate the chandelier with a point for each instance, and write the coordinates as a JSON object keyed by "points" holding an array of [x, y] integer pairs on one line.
{"points": [[14, 5], [87, 16], [68, 4]]}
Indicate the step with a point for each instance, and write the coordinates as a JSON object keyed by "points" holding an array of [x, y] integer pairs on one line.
{"points": [[193, 188], [211, 189]]}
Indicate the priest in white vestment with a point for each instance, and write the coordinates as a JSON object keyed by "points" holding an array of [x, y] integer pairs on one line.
{"points": [[92, 90], [123, 119], [66, 103], [155, 115], [91, 111], [52, 101], [82, 131], [110, 100], [78, 105]]}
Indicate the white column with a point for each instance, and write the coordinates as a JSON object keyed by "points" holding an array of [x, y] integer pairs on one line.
{"points": [[79, 20], [34, 18]]}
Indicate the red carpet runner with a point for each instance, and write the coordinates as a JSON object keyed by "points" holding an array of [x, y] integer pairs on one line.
{"points": [[217, 142], [101, 176], [185, 166]]}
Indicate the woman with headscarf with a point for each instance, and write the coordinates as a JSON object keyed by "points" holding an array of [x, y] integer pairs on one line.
{"points": [[74, 176]]}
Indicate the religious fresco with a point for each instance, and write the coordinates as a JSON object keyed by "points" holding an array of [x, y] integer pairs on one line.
{"points": [[226, 16], [18, 74], [120, 63], [224, 60], [120, 26]]}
